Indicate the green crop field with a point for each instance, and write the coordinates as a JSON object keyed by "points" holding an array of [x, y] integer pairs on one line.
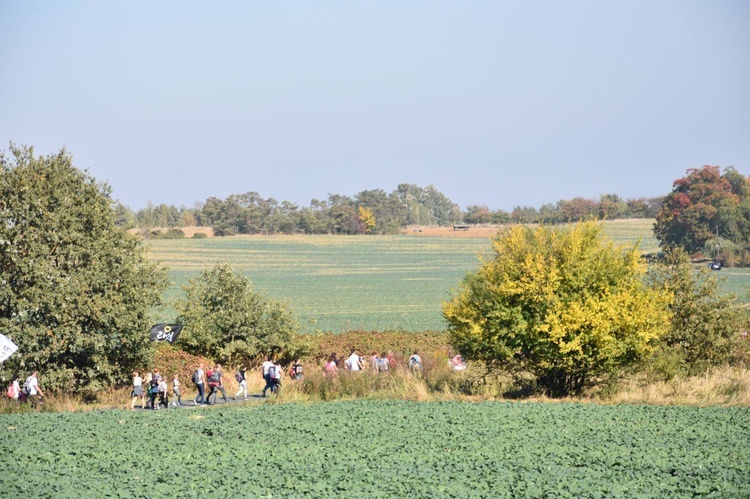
{"points": [[340, 283], [337, 283], [380, 449]]}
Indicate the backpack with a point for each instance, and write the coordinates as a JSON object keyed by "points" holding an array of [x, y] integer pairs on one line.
{"points": [[215, 376], [11, 392], [273, 372], [382, 366], [238, 377], [195, 377], [415, 364], [27, 386]]}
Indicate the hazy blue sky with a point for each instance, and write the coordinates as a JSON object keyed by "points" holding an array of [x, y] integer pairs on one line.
{"points": [[496, 103]]}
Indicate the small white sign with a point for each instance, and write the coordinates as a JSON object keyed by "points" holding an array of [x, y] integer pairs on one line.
{"points": [[7, 347]]}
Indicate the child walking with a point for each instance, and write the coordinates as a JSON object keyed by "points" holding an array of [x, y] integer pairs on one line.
{"points": [[240, 377], [137, 391], [176, 390]]}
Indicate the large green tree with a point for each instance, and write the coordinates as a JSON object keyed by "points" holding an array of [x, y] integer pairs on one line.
{"points": [[76, 290], [563, 304], [700, 205], [705, 326], [227, 321]]}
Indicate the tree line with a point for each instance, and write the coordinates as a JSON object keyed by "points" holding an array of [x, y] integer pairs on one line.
{"points": [[370, 212]]}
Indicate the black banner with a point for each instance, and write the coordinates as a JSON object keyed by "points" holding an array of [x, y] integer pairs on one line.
{"points": [[165, 332]]}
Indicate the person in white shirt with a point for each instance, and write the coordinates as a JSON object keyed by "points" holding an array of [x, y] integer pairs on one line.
{"points": [[415, 362], [176, 390], [198, 377], [137, 391], [243, 382], [35, 393], [354, 362]]}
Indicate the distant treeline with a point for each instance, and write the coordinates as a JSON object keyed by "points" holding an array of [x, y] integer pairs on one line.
{"points": [[370, 211]]}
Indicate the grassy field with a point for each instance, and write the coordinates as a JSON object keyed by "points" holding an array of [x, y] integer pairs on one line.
{"points": [[340, 283], [379, 449], [337, 283]]}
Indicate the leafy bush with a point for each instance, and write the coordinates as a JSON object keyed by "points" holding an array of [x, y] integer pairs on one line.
{"points": [[227, 321], [563, 304], [200, 235], [705, 326], [174, 234]]}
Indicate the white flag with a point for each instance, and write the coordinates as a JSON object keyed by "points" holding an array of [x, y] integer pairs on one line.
{"points": [[7, 347]]}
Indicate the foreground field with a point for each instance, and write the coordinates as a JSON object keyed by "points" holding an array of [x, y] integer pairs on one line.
{"points": [[378, 449]]}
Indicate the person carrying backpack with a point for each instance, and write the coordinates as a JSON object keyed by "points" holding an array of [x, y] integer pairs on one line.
{"points": [[218, 373], [274, 373], [153, 389], [383, 364], [415, 362], [214, 384], [33, 391], [297, 369], [267, 367], [198, 376], [240, 377]]}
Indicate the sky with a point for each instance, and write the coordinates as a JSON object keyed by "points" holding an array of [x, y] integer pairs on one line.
{"points": [[495, 103]]}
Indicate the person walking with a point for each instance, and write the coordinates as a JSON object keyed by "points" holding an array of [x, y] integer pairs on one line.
{"points": [[153, 390], [198, 380], [33, 391], [14, 389], [219, 374], [391, 359], [214, 385], [163, 393], [267, 365], [137, 391], [354, 362], [415, 362], [331, 368], [240, 377], [383, 363], [297, 369], [274, 374], [176, 390], [375, 362]]}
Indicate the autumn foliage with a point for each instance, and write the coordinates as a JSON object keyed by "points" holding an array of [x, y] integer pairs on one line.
{"points": [[562, 304], [702, 204]]}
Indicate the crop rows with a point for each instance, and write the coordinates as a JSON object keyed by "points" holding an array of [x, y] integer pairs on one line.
{"points": [[379, 449], [341, 283], [338, 283]]}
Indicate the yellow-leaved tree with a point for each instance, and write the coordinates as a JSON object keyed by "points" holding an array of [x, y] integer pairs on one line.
{"points": [[367, 218], [564, 304]]}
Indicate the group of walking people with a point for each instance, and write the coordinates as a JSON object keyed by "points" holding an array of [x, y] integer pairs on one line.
{"points": [[154, 387], [378, 362], [209, 383], [30, 391]]}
